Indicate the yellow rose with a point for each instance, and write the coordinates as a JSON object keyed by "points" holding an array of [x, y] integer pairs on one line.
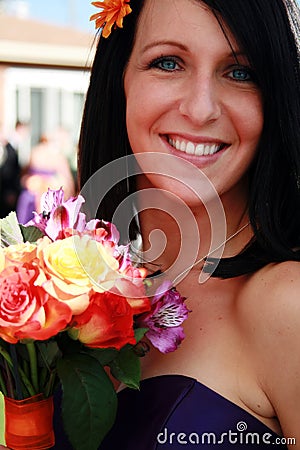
{"points": [[74, 266], [19, 253]]}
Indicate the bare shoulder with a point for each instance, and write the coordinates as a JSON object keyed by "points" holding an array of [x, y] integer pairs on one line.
{"points": [[269, 314], [274, 289], [269, 303]]}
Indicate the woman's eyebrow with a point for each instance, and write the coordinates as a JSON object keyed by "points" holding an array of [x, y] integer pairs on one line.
{"points": [[231, 54], [164, 42], [236, 54]]}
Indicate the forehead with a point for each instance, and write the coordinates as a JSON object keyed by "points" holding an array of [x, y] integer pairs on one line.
{"points": [[185, 20]]}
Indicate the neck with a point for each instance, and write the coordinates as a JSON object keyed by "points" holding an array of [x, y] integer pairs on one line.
{"points": [[176, 236]]}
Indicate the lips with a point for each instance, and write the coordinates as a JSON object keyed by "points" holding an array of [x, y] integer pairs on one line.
{"points": [[197, 149]]}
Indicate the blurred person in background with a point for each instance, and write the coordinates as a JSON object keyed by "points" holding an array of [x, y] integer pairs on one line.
{"points": [[9, 176], [48, 168], [19, 138], [65, 143]]}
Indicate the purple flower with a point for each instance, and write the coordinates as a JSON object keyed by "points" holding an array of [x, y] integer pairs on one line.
{"points": [[51, 199], [168, 312], [58, 215], [110, 232]]}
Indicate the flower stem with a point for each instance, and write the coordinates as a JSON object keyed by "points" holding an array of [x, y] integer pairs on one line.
{"points": [[2, 385], [27, 383], [43, 378], [15, 371], [50, 385], [6, 356], [10, 387], [8, 361], [26, 367], [33, 365]]}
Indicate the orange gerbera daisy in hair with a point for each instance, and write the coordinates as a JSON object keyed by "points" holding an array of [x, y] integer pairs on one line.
{"points": [[112, 14]]}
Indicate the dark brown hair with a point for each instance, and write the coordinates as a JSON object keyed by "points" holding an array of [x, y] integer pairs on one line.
{"points": [[262, 29]]}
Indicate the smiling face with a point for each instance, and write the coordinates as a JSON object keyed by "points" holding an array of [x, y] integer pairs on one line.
{"points": [[189, 96]]}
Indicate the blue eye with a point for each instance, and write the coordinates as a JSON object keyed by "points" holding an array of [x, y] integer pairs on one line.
{"points": [[241, 74], [168, 64]]}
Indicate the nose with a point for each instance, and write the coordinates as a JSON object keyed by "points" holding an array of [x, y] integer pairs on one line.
{"points": [[200, 101]]}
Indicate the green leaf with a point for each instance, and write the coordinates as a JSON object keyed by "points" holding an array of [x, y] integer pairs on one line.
{"points": [[103, 355], [89, 402], [10, 232], [126, 368], [139, 333], [48, 353], [31, 233]]}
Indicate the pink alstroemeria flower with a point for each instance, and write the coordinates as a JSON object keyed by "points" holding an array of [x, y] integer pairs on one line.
{"points": [[58, 216], [51, 199], [168, 312], [103, 231]]}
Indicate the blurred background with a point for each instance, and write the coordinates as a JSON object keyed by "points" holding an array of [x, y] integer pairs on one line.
{"points": [[46, 49]]}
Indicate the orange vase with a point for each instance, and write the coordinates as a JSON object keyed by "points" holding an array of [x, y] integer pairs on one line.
{"points": [[28, 423]]}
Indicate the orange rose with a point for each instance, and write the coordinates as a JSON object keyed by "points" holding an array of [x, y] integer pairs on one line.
{"points": [[108, 322], [19, 253], [26, 310]]}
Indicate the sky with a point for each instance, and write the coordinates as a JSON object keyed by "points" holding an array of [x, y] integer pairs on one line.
{"points": [[63, 12]]}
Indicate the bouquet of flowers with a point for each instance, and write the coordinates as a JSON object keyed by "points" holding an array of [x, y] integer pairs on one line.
{"points": [[74, 307]]}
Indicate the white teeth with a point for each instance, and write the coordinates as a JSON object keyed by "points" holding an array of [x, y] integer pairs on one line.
{"points": [[207, 150], [199, 150], [182, 146], [192, 149]]}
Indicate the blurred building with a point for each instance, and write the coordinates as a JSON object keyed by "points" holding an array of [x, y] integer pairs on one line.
{"points": [[44, 74]]}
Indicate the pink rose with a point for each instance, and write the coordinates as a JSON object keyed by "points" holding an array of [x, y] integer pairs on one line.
{"points": [[27, 311]]}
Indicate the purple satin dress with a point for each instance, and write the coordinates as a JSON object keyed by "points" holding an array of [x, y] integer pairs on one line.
{"points": [[175, 412]]}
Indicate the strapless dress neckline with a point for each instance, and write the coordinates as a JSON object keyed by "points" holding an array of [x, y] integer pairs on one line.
{"points": [[209, 390], [176, 412], [172, 412]]}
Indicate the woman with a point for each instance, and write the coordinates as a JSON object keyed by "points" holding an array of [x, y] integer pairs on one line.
{"points": [[213, 83], [210, 86]]}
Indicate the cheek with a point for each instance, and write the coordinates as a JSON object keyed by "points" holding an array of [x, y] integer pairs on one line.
{"points": [[249, 119], [139, 125], [146, 104], [141, 98]]}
